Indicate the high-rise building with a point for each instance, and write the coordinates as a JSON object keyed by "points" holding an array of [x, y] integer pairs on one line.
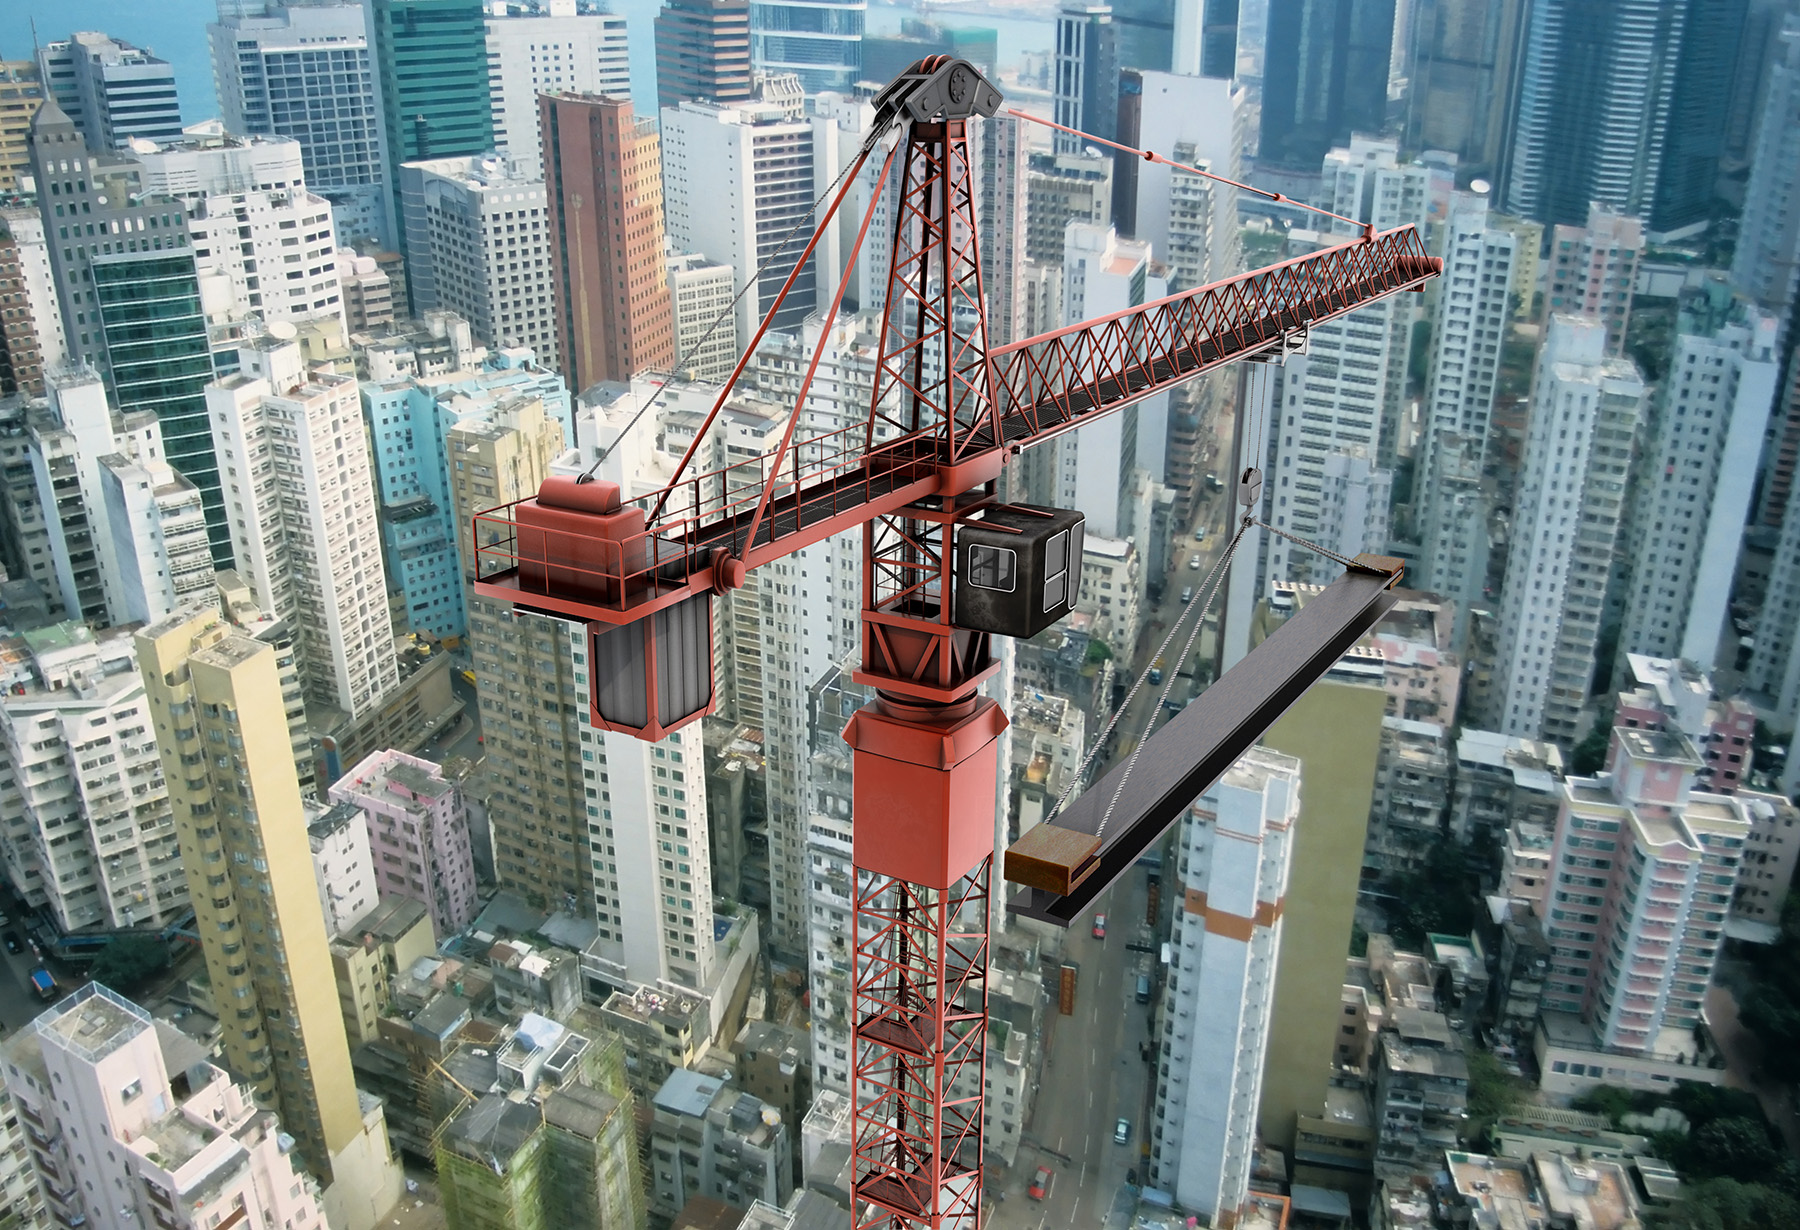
{"points": [[1087, 75], [1697, 474], [418, 830], [1005, 197], [1592, 271], [702, 52], [111, 90], [301, 70], [818, 41], [343, 871], [1460, 73], [88, 830], [700, 294], [736, 179], [1592, 117], [131, 306], [553, 50], [187, 1144], [161, 560], [1060, 189], [1471, 318], [604, 226], [249, 215], [217, 708], [25, 227], [1190, 222], [1236, 846], [1699, 115], [1325, 77], [477, 233], [21, 94], [1205, 34], [433, 92], [305, 533], [1642, 871], [1766, 262], [1586, 412], [21, 361]]}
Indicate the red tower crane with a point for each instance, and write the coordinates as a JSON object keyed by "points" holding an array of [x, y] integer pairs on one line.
{"points": [[946, 567]]}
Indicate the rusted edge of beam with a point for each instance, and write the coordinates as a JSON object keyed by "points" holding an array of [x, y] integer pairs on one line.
{"points": [[1063, 871]]}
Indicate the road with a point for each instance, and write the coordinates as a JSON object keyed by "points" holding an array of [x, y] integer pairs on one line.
{"points": [[1093, 1076], [18, 1002], [460, 738]]}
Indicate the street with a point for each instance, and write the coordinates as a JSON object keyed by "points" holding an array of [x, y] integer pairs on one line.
{"points": [[18, 1002], [1093, 1076], [459, 738]]}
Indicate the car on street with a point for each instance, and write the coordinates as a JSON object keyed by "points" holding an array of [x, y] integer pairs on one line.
{"points": [[1199, 533], [1040, 1183], [1187, 594], [12, 942], [1099, 926], [1121, 1131], [1193, 563]]}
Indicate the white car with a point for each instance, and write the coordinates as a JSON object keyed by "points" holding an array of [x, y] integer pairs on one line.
{"points": [[1193, 563]]}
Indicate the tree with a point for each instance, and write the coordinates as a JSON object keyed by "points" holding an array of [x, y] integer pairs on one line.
{"points": [[1726, 1204], [1735, 1148], [1436, 898], [1589, 756], [126, 964], [1493, 1091]]}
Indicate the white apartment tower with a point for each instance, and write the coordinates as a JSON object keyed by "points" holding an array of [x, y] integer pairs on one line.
{"points": [[1641, 876], [735, 180], [37, 281], [299, 491], [263, 243], [132, 1125], [701, 291], [302, 71], [1707, 437], [1585, 414], [1592, 271], [88, 831], [161, 556], [476, 241], [1195, 121], [1236, 846], [554, 50]]}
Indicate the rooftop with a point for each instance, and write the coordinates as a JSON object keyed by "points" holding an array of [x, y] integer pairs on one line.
{"points": [[687, 1092], [93, 1023]]}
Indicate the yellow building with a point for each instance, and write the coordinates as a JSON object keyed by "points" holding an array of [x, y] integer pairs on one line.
{"points": [[21, 94], [1335, 731], [221, 728], [365, 958]]}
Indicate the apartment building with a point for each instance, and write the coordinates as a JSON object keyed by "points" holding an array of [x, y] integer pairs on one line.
{"points": [[418, 830], [1592, 271], [552, 50]]}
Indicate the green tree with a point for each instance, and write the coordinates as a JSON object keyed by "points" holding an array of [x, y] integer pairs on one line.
{"points": [[1493, 1091], [127, 964], [1735, 1148], [1437, 897], [1589, 756], [1726, 1204]]}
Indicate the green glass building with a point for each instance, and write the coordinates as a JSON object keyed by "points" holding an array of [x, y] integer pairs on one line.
{"points": [[157, 348], [431, 74]]}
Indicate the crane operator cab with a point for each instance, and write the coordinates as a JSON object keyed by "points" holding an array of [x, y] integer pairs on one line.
{"points": [[1018, 568]]}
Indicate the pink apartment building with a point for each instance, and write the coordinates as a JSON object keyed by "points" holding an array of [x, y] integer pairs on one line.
{"points": [[418, 834], [1642, 868]]}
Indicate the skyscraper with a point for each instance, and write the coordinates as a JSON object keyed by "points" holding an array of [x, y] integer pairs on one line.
{"points": [[1087, 75], [476, 232], [1596, 83], [303, 71], [1586, 411], [304, 533], [738, 178], [432, 89], [1699, 114], [1206, 38], [1460, 76], [1005, 195], [819, 41], [1697, 474], [1766, 263], [1324, 78], [21, 362], [1643, 864], [1236, 845], [131, 305], [702, 52], [554, 50], [603, 181], [217, 709], [21, 93], [1592, 271], [111, 90]]}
